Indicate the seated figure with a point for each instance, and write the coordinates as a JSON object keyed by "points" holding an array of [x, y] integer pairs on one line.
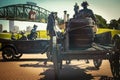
{"points": [[33, 34], [13, 36], [85, 12], [23, 36]]}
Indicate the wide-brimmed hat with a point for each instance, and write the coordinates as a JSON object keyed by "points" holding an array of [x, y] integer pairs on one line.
{"points": [[35, 26], [85, 3]]}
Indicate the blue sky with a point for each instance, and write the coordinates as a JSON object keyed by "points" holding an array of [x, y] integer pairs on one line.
{"points": [[108, 9]]}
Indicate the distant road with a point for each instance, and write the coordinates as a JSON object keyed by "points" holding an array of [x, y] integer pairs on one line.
{"points": [[31, 67]]}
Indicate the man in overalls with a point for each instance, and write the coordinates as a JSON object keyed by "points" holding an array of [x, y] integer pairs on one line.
{"points": [[85, 12], [50, 33], [88, 13]]}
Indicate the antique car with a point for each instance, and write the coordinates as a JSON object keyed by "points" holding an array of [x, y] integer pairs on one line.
{"points": [[13, 49]]}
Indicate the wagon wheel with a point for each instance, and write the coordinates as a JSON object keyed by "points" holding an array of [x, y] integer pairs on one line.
{"points": [[97, 63], [48, 53], [115, 59], [116, 43], [114, 64], [18, 55], [56, 60], [8, 53]]}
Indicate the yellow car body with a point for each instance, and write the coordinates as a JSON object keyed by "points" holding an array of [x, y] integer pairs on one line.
{"points": [[113, 32], [42, 33]]}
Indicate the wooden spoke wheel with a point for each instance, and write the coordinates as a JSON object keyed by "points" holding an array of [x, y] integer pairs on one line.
{"points": [[115, 66], [115, 58], [97, 63], [49, 55]]}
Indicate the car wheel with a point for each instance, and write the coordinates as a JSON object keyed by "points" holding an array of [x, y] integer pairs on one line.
{"points": [[8, 53], [18, 55]]}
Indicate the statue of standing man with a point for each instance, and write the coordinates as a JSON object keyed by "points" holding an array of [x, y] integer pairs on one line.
{"points": [[76, 9], [51, 24]]}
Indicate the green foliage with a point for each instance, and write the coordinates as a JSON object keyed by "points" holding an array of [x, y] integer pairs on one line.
{"points": [[101, 22], [115, 24], [119, 21]]}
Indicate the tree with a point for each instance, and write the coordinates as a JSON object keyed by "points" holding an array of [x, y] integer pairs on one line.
{"points": [[119, 21], [114, 24], [101, 22]]}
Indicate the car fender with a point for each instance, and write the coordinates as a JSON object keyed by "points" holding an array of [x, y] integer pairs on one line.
{"points": [[117, 36], [9, 45]]}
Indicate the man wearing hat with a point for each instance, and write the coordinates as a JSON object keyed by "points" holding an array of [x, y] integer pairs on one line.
{"points": [[51, 24], [33, 34], [85, 12], [76, 9]]}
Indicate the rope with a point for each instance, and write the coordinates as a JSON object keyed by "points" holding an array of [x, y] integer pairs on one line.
{"points": [[78, 28]]}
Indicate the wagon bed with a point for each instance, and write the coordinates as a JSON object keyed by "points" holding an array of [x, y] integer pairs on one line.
{"points": [[89, 53], [97, 52], [80, 42]]}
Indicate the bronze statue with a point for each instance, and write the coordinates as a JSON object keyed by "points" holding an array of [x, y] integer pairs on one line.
{"points": [[85, 12], [33, 34], [23, 36], [51, 24], [13, 36], [76, 8]]}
